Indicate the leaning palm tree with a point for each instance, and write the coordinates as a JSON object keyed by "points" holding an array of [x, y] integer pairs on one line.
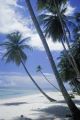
{"points": [[74, 110], [15, 47], [56, 25], [39, 69]]}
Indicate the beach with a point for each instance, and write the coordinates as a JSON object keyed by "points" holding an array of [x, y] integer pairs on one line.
{"points": [[35, 107]]}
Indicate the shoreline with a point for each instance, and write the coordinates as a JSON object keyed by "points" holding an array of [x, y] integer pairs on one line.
{"points": [[36, 107], [26, 92], [51, 93]]}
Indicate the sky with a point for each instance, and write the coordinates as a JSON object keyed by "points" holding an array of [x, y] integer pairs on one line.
{"points": [[15, 16]]}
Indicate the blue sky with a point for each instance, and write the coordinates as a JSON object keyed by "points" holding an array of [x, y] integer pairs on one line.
{"points": [[15, 16]]}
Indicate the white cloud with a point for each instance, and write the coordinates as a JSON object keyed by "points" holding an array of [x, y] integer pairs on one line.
{"points": [[37, 44], [12, 19], [20, 80], [70, 9]]}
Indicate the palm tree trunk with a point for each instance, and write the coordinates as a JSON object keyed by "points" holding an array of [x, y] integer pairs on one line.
{"points": [[49, 81], [74, 62], [74, 110], [49, 98]]}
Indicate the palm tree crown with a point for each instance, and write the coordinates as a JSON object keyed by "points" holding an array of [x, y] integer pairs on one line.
{"points": [[39, 68], [15, 47], [42, 4], [52, 25]]}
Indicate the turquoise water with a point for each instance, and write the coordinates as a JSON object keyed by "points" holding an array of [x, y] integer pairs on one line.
{"points": [[16, 92]]}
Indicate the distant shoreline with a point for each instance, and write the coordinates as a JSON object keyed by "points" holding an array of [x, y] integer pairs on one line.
{"points": [[6, 93]]}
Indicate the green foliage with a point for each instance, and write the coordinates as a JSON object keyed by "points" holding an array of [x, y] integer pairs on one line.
{"points": [[15, 47], [64, 66], [65, 69], [52, 27], [42, 4], [51, 23]]}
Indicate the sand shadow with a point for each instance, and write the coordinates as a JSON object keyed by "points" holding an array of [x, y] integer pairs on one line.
{"points": [[14, 103], [75, 101], [53, 112]]}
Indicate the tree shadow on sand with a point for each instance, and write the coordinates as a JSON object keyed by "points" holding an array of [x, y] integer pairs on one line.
{"points": [[53, 112], [75, 101], [14, 103]]}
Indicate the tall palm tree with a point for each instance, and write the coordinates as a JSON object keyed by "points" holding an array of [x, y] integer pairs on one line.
{"points": [[74, 110], [15, 47], [56, 6], [39, 69], [53, 29]]}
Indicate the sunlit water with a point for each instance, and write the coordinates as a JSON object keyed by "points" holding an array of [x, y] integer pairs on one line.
{"points": [[16, 92]]}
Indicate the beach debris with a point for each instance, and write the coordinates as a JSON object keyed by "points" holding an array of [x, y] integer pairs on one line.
{"points": [[24, 118]]}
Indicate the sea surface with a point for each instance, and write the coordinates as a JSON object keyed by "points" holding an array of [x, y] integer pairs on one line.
{"points": [[16, 92]]}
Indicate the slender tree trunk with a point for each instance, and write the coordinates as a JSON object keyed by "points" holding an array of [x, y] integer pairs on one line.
{"points": [[49, 81], [74, 110], [66, 39], [49, 98]]}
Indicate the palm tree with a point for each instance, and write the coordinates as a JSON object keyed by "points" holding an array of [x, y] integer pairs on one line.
{"points": [[39, 69], [74, 110], [65, 69], [15, 47], [53, 29], [66, 39], [67, 73], [56, 7]]}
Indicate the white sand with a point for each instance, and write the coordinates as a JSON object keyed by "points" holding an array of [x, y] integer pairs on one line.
{"points": [[36, 107]]}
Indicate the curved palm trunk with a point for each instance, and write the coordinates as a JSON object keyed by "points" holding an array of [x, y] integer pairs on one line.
{"points": [[74, 110], [49, 98], [70, 54], [49, 81]]}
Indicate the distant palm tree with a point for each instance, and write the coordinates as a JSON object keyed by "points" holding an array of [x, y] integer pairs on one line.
{"points": [[15, 47], [39, 69]]}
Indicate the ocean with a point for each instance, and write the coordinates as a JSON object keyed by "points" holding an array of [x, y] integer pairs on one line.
{"points": [[6, 92]]}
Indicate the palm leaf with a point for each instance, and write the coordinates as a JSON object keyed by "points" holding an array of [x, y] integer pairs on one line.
{"points": [[15, 47]]}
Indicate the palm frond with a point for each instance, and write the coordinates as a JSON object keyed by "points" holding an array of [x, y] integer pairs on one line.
{"points": [[15, 47], [24, 40], [44, 3]]}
